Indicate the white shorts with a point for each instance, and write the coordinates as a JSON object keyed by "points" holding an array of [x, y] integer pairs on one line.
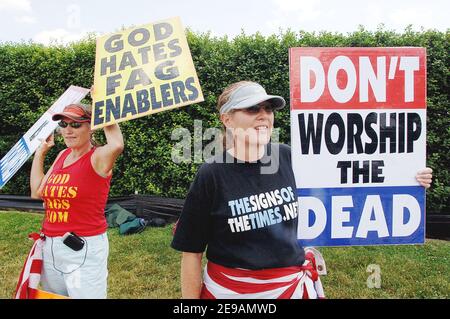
{"points": [[79, 274]]}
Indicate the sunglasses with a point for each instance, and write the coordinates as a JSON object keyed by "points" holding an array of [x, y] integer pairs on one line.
{"points": [[72, 124], [256, 108]]}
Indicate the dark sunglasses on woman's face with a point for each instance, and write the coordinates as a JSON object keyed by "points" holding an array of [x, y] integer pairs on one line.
{"points": [[72, 124], [256, 108]]}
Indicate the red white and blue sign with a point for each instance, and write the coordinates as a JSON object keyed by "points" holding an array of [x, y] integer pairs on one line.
{"points": [[358, 137]]}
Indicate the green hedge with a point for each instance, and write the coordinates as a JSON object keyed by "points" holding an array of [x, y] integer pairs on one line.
{"points": [[33, 76]]}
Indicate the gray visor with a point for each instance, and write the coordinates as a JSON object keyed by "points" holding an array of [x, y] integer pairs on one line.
{"points": [[250, 95]]}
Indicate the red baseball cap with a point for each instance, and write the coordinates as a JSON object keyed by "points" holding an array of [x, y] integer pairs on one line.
{"points": [[73, 112]]}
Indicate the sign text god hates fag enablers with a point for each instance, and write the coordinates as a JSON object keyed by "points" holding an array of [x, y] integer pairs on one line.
{"points": [[141, 71], [358, 125]]}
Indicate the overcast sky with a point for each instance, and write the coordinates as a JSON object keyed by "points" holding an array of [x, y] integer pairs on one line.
{"points": [[67, 20]]}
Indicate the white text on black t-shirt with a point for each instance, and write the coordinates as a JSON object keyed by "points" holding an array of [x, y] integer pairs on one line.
{"points": [[262, 210]]}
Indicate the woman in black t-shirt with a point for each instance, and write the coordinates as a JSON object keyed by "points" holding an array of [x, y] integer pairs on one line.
{"points": [[242, 208]]}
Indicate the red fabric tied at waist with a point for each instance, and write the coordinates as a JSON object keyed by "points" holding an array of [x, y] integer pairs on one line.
{"points": [[294, 282], [31, 272], [311, 266]]}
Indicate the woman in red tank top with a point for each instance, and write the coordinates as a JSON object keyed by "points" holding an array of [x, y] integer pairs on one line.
{"points": [[75, 191]]}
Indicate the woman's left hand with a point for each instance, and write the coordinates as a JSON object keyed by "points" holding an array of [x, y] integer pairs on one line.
{"points": [[424, 177]]}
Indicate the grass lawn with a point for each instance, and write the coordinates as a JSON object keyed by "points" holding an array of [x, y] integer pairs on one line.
{"points": [[144, 266]]}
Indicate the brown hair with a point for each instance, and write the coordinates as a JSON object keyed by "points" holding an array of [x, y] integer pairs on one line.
{"points": [[227, 141]]}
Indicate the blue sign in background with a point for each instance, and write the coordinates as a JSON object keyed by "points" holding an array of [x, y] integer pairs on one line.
{"points": [[359, 197], [13, 161]]}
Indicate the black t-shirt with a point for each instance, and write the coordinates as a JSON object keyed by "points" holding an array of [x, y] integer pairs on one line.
{"points": [[243, 213]]}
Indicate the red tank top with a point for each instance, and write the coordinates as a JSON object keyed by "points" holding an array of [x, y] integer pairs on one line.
{"points": [[75, 198]]}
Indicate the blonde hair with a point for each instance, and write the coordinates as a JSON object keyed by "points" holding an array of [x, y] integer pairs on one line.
{"points": [[87, 109], [227, 138]]}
